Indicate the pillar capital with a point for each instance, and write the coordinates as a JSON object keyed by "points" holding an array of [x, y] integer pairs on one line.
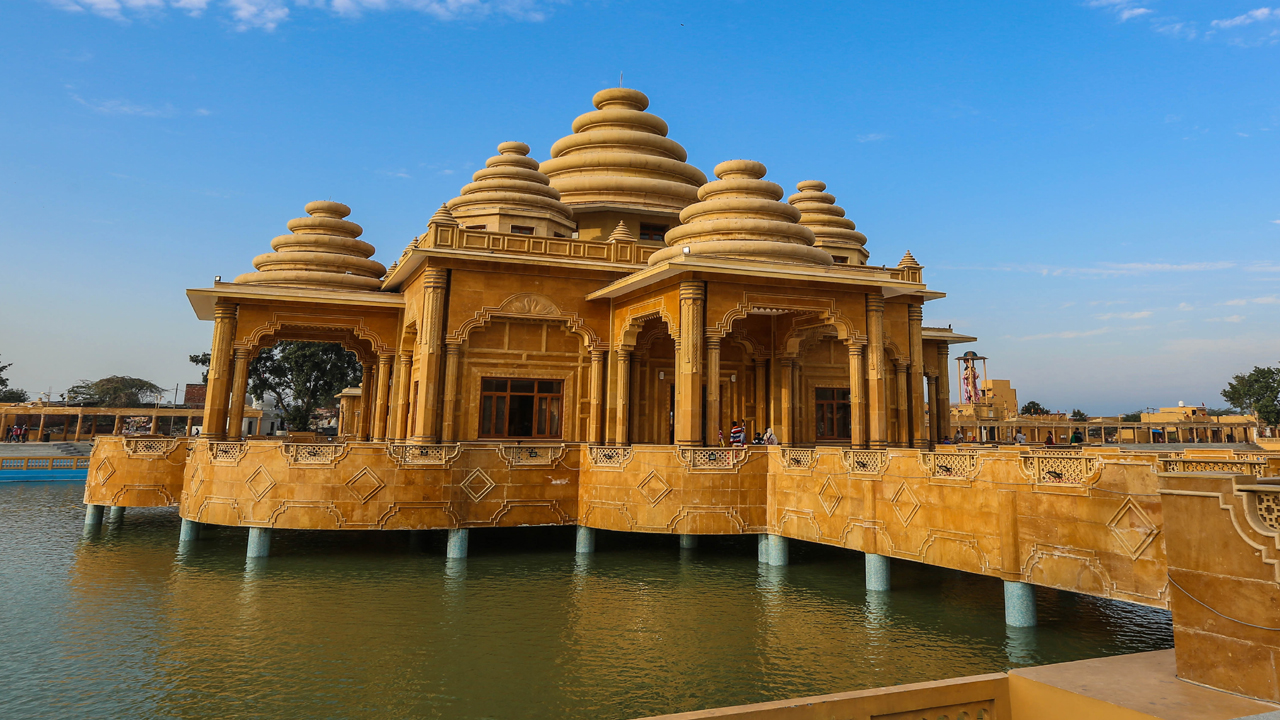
{"points": [[875, 303], [713, 341], [454, 349], [692, 290], [597, 355], [434, 278], [856, 349], [224, 310], [915, 313]]}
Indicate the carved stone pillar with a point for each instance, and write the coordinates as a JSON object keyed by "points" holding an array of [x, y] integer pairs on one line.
{"points": [[381, 398], [904, 410], [787, 401], [877, 396], [762, 396], [798, 417], [449, 426], [713, 391], [595, 397], [624, 395], [944, 393], [689, 364], [219, 385], [919, 430], [239, 386], [399, 423], [857, 402], [430, 336], [935, 410], [366, 403]]}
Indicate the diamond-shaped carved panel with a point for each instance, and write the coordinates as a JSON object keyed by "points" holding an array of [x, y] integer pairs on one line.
{"points": [[365, 484], [905, 505], [477, 485], [104, 471], [653, 487], [1133, 528], [260, 483], [829, 495]]}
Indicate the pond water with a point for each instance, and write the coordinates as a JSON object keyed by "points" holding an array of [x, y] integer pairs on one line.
{"points": [[362, 625]]}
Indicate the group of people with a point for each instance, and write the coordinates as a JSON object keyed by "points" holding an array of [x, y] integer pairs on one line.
{"points": [[17, 433], [738, 435]]}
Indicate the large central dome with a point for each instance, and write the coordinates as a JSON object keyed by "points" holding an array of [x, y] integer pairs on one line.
{"points": [[619, 155]]}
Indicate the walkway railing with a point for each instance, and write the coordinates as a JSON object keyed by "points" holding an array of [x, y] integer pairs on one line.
{"points": [[51, 462]]}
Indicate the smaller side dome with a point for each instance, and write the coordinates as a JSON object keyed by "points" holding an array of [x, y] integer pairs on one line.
{"points": [[908, 260], [622, 233], [442, 217], [832, 231], [511, 191], [322, 252], [740, 216]]}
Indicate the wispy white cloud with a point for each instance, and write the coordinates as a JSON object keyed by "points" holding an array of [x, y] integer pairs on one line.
{"points": [[1237, 301], [1229, 318], [124, 107], [1125, 315], [872, 137], [1248, 18], [1068, 334], [1186, 306], [269, 14], [1268, 300], [1277, 222], [1129, 13]]}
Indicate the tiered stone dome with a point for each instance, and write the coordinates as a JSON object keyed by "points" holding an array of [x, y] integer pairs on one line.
{"points": [[510, 185], [620, 155], [832, 231], [739, 215], [322, 252]]}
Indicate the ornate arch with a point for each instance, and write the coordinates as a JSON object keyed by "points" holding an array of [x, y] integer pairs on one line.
{"points": [[637, 315], [527, 306], [824, 308], [282, 323]]}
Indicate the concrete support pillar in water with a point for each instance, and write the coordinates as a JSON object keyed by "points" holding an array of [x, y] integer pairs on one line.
{"points": [[259, 543], [456, 547], [877, 572], [117, 514], [772, 550], [688, 542], [586, 541], [1019, 604], [92, 515], [190, 532]]}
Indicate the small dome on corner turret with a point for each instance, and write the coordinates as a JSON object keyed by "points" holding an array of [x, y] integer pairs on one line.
{"points": [[510, 187], [832, 231], [322, 252]]}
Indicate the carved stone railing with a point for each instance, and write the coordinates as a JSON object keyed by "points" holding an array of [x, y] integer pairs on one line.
{"points": [[44, 463], [313, 454], [867, 462], [150, 447], [799, 458], [424, 455], [713, 458], [1240, 467], [949, 465], [1057, 469], [227, 453], [531, 455], [610, 457], [1266, 507]]}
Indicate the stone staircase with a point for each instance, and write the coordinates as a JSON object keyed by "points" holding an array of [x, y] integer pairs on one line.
{"points": [[39, 449]]}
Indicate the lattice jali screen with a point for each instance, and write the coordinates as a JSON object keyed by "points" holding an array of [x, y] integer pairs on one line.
{"points": [[610, 457], [430, 455], [531, 455], [1238, 467], [1268, 506], [870, 462], [149, 447], [229, 453], [799, 458], [950, 464], [712, 458], [1055, 469], [313, 454]]}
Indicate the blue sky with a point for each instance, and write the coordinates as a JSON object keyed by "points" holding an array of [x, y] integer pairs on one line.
{"points": [[1095, 184]]}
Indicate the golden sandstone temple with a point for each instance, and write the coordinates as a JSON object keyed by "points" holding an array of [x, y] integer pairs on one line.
{"points": [[571, 341]]}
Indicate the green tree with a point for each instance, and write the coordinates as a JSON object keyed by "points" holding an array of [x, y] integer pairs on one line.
{"points": [[1078, 415], [303, 377], [203, 360], [1034, 408], [115, 391], [1135, 416], [1256, 392], [8, 394]]}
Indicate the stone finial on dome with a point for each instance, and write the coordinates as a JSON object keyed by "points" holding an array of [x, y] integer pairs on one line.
{"points": [[622, 233], [321, 252], [908, 260], [510, 187], [442, 216], [619, 154], [832, 231], [740, 216]]}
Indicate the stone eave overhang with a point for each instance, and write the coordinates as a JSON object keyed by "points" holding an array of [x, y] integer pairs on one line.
{"points": [[419, 255], [947, 335], [843, 276], [203, 299]]}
